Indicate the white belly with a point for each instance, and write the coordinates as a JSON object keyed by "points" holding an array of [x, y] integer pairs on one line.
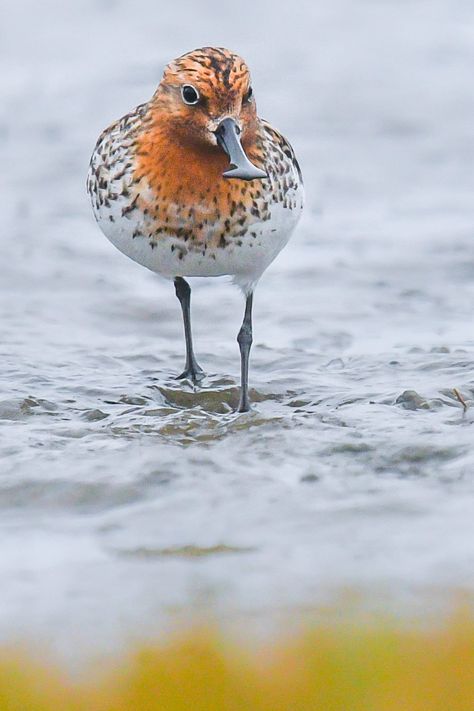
{"points": [[245, 257]]}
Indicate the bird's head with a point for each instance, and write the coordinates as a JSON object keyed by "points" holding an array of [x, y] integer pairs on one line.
{"points": [[205, 99]]}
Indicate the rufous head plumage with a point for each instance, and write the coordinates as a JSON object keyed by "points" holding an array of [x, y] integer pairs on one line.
{"points": [[205, 98]]}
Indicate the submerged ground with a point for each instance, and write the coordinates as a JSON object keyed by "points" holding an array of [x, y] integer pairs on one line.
{"points": [[128, 500]]}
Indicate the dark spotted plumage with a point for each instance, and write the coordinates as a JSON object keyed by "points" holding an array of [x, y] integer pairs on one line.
{"points": [[210, 221]]}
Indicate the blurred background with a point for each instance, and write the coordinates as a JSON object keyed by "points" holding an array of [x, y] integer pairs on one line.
{"points": [[130, 503]]}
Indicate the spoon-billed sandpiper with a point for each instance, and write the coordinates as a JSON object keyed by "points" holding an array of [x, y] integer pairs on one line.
{"points": [[194, 183]]}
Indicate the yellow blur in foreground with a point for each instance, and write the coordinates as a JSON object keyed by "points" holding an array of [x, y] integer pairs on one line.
{"points": [[339, 668]]}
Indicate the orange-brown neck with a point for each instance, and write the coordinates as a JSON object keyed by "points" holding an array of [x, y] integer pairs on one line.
{"points": [[182, 190], [175, 160]]}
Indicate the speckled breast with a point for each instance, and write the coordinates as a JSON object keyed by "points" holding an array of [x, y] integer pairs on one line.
{"points": [[199, 224]]}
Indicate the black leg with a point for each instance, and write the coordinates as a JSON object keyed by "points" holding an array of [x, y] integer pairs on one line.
{"points": [[192, 369], [244, 340]]}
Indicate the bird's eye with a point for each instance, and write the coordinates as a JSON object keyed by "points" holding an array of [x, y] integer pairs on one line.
{"points": [[248, 95], [190, 94]]}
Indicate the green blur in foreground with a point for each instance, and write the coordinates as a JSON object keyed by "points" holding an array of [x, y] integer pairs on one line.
{"points": [[338, 668]]}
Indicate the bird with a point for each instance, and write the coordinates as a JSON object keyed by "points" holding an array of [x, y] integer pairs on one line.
{"points": [[192, 183]]}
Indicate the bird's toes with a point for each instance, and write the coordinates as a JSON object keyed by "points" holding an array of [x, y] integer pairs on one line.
{"points": [[195, 374]]}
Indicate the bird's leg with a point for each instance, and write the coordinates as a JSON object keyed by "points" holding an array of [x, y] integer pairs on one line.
{"points": [[192, 369], [244, 339]]}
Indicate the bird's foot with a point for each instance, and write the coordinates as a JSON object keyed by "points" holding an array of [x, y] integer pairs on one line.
{"points": [[244, 405], [193, 372]]}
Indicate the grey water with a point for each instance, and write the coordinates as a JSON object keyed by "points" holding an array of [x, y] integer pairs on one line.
{"points": [[131, 501]]}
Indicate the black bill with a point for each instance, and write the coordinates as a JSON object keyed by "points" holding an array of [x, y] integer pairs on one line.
{"points": [[227, 135]]}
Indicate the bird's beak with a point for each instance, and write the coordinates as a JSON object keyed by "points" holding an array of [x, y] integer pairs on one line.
{"points": [[227, 135]]}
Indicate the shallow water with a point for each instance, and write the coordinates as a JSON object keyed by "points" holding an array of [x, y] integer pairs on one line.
{"points": [[129, 499]]}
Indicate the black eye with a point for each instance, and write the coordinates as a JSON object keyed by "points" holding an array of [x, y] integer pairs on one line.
{"points": [[249, 94], [190, 94]]}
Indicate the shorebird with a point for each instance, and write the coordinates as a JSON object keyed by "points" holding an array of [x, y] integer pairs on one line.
{"points": [[193, 183]]}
